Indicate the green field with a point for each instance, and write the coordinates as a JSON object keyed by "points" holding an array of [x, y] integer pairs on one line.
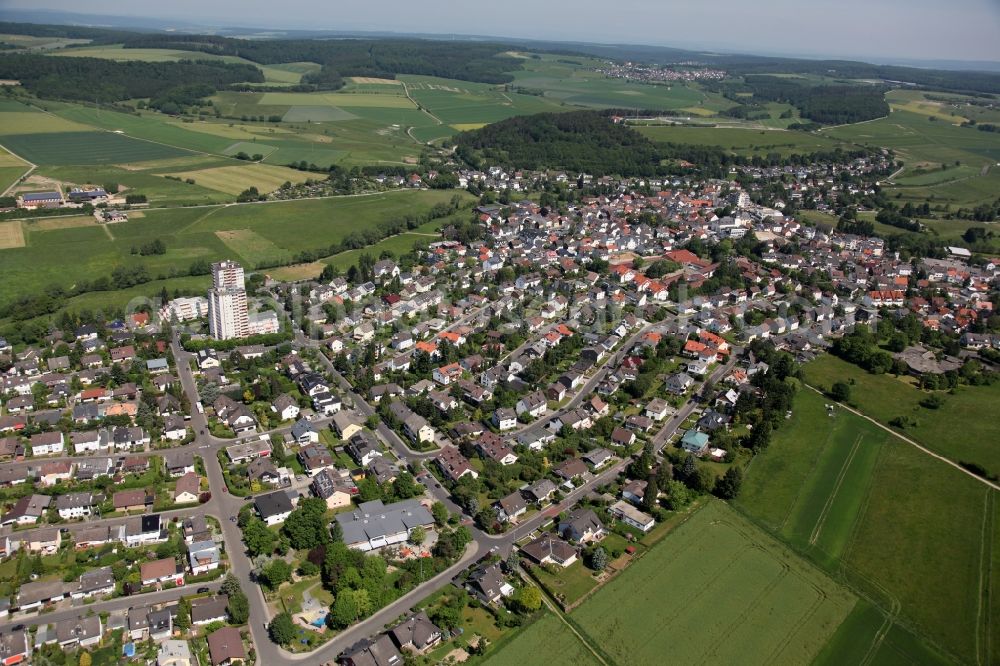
{"points": [[65, 256], [274, 75], [917, 139], [239, 177], [741, 141], [463, 102], [577, 85], [547, 641], [58, 148], [884, 397], [906, 531], [717, 590]]}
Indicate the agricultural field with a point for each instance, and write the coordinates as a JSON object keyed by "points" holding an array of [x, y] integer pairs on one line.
{"points": [[34, 43], [271, 232], [716, 590], [860, 503], [90, 147], [237, 178], [11, 235], [547, 641], [12, 168], [274, 75], [462, 103], [572, 81], [884, 397], [741, 141], [919, 141]]}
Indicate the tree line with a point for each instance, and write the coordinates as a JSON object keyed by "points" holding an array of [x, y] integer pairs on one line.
{"points": [[91, 79], [380, 58]]}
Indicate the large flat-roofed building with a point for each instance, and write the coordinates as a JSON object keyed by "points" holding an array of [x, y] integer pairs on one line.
{"points": [[185, 309], [374, 525], [33, 200]]}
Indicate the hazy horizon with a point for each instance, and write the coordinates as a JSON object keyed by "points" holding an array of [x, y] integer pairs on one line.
{"points": [[964, 30]]}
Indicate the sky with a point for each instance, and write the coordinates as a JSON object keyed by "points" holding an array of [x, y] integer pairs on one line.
{"points": [[858, 29]]}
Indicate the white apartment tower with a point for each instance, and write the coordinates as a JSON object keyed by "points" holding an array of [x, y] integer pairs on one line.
{"points": [[227, 302]]}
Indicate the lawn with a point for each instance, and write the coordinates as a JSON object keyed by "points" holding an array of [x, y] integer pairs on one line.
{"points": [[569, 584], [884, 397], [90, 147], [716, 590], [903, 529]]}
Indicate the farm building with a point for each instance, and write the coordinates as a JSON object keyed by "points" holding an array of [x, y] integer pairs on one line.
{"points": [[33, 200]]}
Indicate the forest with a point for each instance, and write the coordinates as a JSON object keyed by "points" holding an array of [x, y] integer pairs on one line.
{"points": [[381, 58], [578, 141], [826, 104], [108, 81]]}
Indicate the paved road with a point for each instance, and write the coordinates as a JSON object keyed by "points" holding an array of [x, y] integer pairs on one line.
{"points": [[222, 506]]}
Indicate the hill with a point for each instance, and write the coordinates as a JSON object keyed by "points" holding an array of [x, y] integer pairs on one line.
{"points": [[579, 141]]}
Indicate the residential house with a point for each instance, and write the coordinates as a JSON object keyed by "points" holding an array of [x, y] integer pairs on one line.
{"points": [[632, 516], [314, 458], [160, 571], [273, 508], [95, 583], [26, 511], [131, 500], [225, 646], [205, 610], [487, 584], [188, 488], [346, 424], [505, 419], [416, 633], [75, 505], [179, 463], [550, 549], [453, 464], [285, 407], [47, 444], [378, 651], [173, 653], [336, 489], [203, 556], [597, 458], [510, 507], [582, 526], [82, 632]]}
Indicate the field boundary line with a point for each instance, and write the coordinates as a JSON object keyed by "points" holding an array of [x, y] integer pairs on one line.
{"points": [[983, 638], [555, 611], [812, 470], [821, 521], [31, 167], [914, 444]]}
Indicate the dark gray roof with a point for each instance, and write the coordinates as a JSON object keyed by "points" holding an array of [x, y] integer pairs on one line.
{"points": [[372, 520]]}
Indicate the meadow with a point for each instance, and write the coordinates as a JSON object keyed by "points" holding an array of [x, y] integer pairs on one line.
{"points": [[885, 397], [905, 531]]}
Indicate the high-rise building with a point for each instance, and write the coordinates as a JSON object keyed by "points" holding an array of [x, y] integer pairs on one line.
{"points": [[227, 302]]}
